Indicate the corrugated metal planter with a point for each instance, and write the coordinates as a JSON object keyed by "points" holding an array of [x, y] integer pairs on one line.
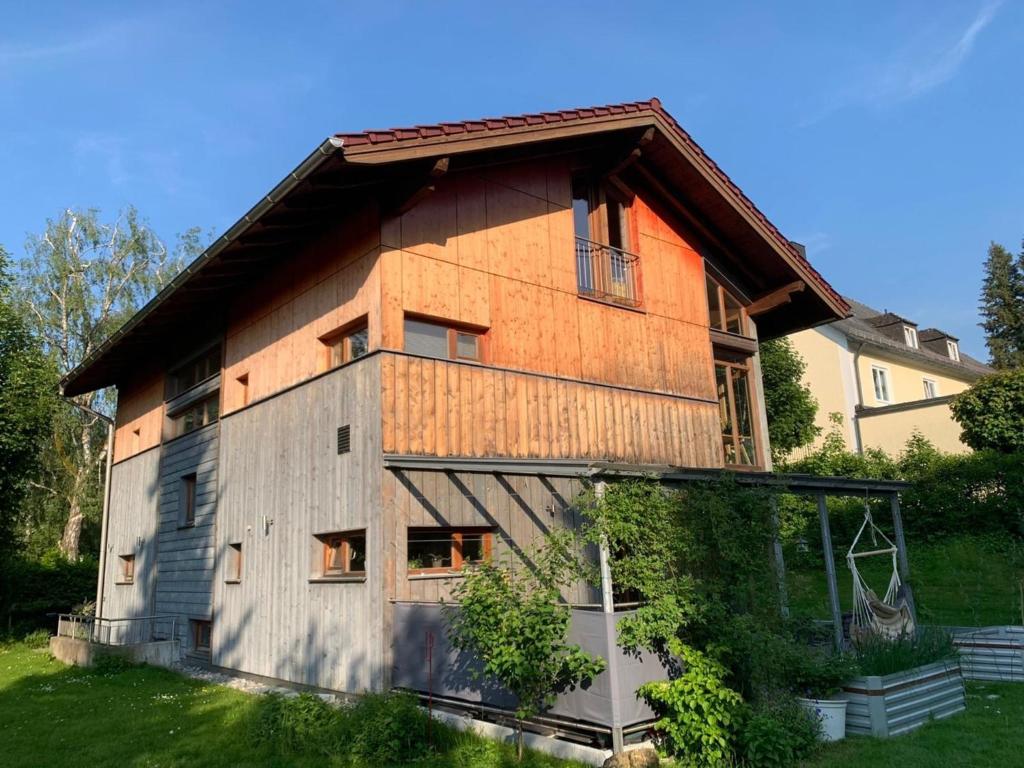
{"points": [[893, 704], [992, 653]]}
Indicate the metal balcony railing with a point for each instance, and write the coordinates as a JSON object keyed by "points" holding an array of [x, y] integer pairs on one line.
{"points": [[127, 631], [607, 273]]}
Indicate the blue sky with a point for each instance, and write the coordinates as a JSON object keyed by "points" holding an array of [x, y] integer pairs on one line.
{"points": [[887, 136]]}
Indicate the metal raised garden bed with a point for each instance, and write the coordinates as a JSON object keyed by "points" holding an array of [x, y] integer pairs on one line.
{"points": [[991, 653]]}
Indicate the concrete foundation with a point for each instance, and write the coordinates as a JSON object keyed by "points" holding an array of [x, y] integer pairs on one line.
{"points": [[82, 653]]}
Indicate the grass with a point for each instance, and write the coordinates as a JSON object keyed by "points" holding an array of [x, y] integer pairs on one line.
{"points": [[987, 734], [146, 717], [965, 581]]}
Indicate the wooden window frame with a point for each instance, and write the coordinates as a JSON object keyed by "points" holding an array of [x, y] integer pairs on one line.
{"points": [[235, 563], [456, 534], [342, 540], [453, 331], [178, 419], [126, 575], [745, 363], [188, 490], [171, 390], [343, 336], [720, 294], [197, 626]]}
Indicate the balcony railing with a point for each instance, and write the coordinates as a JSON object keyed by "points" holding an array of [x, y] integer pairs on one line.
{"points": [[127, 631], [606, 273]]}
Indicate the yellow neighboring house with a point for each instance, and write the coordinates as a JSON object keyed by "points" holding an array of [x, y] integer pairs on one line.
{"points": [[886, 378]]}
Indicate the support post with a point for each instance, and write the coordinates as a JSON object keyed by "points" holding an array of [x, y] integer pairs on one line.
{"points": [[901, 553], [611, 634], [780, 562], [830, 572]]}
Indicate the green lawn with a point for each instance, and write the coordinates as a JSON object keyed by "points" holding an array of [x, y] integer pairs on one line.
{"points": [[987, 734], [53, 715], [965, 581]]}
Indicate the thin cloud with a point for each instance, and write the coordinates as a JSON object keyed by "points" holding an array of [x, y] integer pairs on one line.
{"points": [[111, 37], [918, 68]]}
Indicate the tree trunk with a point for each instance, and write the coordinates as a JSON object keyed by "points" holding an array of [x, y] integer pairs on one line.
{"points": [[519, 741], [70, 539], [72, 530]]}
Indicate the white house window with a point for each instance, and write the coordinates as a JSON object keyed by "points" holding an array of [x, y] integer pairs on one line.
{"points": [[931, 389], [954, 350], [910, 336], [881, 380]]}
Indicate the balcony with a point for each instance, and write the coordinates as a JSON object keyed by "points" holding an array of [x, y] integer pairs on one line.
{"points": [[607, 274]]}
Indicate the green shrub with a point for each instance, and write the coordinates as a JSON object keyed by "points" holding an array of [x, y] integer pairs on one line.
{"points": [[387, 729], [820, 674], [303, 724], [777, 733], [111, 664], [32, 592], [39, 638], [698, 714], [877, 655], [991, 412]]}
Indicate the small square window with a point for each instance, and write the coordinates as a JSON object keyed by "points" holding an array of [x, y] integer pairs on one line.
{"points": [[234, 565], [127, 575], [202, 632], [187, 501], [344, 554], [345, 346]]}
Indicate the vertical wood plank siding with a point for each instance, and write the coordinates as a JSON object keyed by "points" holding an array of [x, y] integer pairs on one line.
{"points": [[282, 482], [445, 408], [132, 529]]}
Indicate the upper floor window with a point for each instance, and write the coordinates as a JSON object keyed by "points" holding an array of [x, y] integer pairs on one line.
{"points": [[198, 369], [910, 336], [604, 267], [880, 378], [954, 350], [732, 379], [931, 389], [345, 345], [439, 340], [197, 415], [724, 310]]}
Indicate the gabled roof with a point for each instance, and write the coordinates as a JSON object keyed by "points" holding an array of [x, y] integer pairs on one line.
{"points": [[349, 168], [860, 327], [886, 319], [934, 334]]}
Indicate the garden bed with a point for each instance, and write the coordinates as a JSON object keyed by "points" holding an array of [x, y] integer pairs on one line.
{"points": [[888, 705], [993, 653]]}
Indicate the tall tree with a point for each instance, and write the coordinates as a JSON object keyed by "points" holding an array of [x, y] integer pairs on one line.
{"points": [[789, 405], [28, 384], [1002, 307], [80, 280]]}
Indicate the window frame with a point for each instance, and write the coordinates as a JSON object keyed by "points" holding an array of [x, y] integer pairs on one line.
{"points": [[338, 344], [455, 534], [720, 295], [178, 418], [953, 350], [331, 542], [234, 563], [126, 569], [453, 331], [930, 384], [208, 354], [910, 337], [187, 490], [197, 625], [739, 361], [883, 374]]}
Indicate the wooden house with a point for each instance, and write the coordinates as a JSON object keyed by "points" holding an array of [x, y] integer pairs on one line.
{"points": [[408, 356]]}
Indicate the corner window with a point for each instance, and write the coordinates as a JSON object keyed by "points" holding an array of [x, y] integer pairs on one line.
{"points": [[187, 501], [931, 389], [234, 564], [345, 346], [202, 631], [440, 550], [725, 313], [197, 415], [195, 371], [910, 336], [440, 340], [127, 572], [953, 349], [604, 268], [880, 377], [732, 380], [344, 554]]}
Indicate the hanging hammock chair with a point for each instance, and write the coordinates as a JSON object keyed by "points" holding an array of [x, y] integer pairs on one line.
{"points": [[891, 616]]}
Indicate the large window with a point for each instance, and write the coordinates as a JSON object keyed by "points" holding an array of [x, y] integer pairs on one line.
{"points": [[439, 550], [440, 340], [345, 346], [880, 379], [195, 371], [724, 311], [197, 415], [604, 267], [732, 379], [344, 554]]}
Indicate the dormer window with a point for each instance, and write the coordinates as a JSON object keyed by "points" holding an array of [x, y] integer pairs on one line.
{"points": [[954, 350], [910, 336]]}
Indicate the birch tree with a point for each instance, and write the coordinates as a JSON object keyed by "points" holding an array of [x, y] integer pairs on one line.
{"points": [[81, 279]]}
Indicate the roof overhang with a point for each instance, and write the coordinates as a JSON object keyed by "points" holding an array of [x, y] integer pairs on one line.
{"points": [[346, 171]]}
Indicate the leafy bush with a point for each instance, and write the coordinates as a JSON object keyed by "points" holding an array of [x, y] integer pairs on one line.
{"points": [[387, 729], [877, 655], [39, 638], [991, 412], [698, 713], [777, 734], [31, 591], [820, 674]]}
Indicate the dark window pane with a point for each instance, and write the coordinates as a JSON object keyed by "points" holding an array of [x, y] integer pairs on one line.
{"points": [[359, 343], [714, 310], [733, 314], [581, 209], [430, 549], [427, 339], [615, 234], [741, 391], [212, 410], [357, 553], [467, 345], [472, 547]]}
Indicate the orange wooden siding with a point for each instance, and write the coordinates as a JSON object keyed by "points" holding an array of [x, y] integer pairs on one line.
{"points": [[140, 416], [443, 408]]}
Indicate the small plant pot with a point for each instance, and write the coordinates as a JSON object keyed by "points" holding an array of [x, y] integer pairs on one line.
{"points": [[831, 714]]}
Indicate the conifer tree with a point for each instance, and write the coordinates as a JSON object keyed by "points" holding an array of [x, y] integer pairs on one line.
{"points": [[1002, 307]]}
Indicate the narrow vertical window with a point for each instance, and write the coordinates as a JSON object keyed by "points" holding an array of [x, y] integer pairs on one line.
{"points": [[187, 501], [732, 379], [954, 350], [202, 631], [910, 336], [604, 268], [127, 574], [234, 564], [880, 378]]}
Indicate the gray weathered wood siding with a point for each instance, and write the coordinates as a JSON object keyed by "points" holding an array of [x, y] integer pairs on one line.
{"points": [[520, 508], [185, 554], [132, 530], [282, 482]]}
